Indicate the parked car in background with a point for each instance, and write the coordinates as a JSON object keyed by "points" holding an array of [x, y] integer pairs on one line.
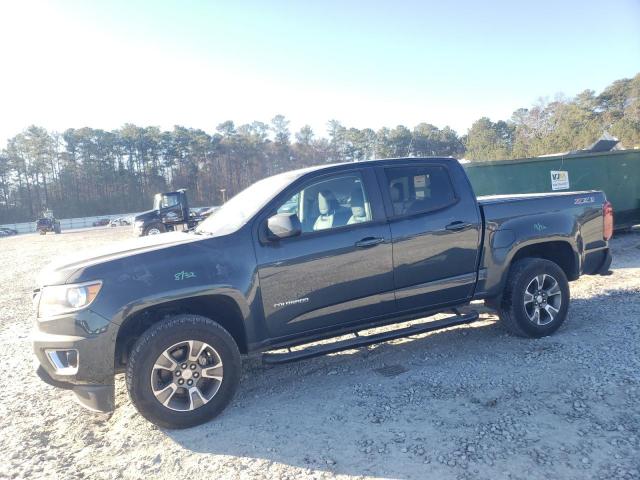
{"points": [[7, 232], [205, 212], [101, 223], [290, 206], [120, 222]]}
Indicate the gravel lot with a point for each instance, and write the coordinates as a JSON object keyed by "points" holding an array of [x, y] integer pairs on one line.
{"points": [[470, 402]]}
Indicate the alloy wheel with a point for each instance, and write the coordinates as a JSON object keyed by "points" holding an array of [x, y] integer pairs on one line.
{"points": [[187, 375], [542, 299]]}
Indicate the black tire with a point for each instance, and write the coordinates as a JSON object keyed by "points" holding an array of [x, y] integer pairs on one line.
{"points": [[160, 337], [514, 314], [154, 226]]}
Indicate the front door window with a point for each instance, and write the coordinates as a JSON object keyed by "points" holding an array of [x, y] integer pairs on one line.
{"points": [[330, 203]]}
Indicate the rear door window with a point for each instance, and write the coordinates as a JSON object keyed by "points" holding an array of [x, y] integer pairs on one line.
{"points": [[419, 189]]}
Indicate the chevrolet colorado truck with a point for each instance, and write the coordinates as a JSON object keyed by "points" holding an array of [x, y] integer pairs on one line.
{"points": [[302, 256]]}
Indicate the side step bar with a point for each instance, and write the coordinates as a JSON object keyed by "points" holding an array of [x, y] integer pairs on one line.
{"points": [[363, 341]]}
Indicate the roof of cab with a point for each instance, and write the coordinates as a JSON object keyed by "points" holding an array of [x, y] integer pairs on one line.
{"points": [[370, 163]]}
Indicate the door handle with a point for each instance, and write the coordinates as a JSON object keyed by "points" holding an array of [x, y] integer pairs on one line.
{"points": [[369, 242], [454, 226]]}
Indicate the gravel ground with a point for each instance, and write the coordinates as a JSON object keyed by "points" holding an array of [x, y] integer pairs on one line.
{"points": [[470, 402]]}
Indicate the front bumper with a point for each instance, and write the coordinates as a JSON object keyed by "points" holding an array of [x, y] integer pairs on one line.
{"points": [[138, 229], [99, 398], [93, 338]]}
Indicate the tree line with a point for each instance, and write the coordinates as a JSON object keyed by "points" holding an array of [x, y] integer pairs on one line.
{"points": [[87, 171]]}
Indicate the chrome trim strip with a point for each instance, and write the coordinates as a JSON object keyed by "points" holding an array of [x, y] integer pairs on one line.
{"points": [[60, 369]]}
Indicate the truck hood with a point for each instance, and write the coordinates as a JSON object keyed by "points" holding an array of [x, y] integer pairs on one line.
{"points": [[59, 270], [146, 215]]}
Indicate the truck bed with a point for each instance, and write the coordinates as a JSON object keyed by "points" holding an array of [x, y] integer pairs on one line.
{"points": [[573, 204], [565, 218]]}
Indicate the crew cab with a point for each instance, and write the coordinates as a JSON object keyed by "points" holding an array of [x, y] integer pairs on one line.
{"points": [[302, 256]]}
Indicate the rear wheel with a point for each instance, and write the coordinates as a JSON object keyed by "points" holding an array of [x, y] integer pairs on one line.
{"points": [[183, 371], [536, 298]]}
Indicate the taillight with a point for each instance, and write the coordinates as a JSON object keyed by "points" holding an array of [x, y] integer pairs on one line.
{"points": [[607, 216]]}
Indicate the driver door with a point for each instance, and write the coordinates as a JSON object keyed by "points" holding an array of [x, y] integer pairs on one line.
{"points": [[339, 270], [171, 209]]}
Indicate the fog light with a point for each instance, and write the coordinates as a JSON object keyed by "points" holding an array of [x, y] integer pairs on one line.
{"points": [[65, 362]]}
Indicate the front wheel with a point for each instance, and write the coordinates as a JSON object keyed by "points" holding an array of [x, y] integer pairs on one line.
{"points": [[155, 229], [183, 371], [536, 298]]}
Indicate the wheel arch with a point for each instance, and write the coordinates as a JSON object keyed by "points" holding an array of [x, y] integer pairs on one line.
{"points": [[559, 252], [221, 308]]}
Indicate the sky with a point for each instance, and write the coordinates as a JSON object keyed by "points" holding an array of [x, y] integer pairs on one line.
{"points": [[365, 63]]}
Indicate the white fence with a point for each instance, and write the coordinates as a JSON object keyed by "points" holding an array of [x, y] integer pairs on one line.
{"points": [[73, 223], [69, 223]]}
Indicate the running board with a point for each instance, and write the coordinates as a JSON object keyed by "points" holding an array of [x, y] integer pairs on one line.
{"points": [[363, 341]]}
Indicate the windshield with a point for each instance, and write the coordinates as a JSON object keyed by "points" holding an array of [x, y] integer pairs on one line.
{"points": [[235, 213], [165, 200]]}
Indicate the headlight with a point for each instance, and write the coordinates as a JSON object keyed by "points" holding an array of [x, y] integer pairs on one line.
{"points": [[60, 299]]}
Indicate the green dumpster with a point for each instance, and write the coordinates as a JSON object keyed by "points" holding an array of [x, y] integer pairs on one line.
{"points": [[616, 173]]}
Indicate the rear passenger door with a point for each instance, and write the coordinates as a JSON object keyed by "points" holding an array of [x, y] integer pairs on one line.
{"points": [[435, 229]]}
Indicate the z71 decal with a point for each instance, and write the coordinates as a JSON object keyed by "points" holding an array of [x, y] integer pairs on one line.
{"points": [[583, 200]]}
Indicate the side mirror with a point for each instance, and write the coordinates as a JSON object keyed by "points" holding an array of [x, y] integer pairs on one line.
{"points": [[283, 225]]}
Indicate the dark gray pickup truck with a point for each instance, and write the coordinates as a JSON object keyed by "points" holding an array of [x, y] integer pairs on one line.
{"points": [[303, 256]]}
